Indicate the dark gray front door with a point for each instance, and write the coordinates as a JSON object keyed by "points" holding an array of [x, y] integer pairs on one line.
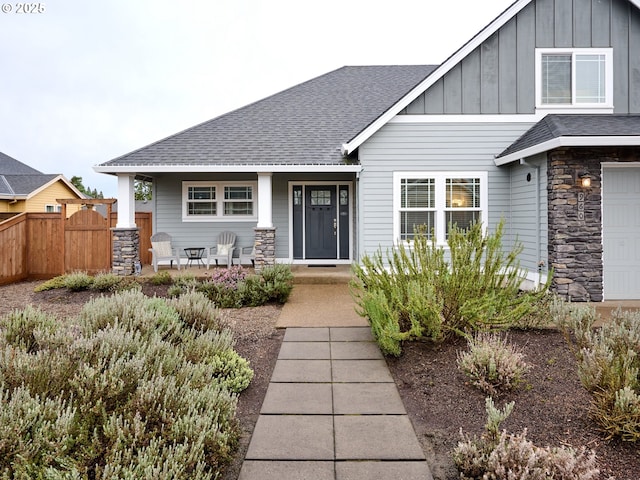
{"points": [[321, 222]]}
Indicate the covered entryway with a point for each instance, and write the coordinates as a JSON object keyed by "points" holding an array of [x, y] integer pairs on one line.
{"points": [[321, 221], [621, 232]]}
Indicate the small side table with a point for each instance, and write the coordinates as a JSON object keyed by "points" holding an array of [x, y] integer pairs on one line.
{"points": [[194, 254]]}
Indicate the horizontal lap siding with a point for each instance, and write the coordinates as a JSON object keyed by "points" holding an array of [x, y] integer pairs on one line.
{"points": [[168, 215], [525, 227], [428, 147]]}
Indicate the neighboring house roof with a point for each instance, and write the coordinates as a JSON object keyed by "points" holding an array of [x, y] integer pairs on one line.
{"points": [[20, 181], [305, 124], [558, 130], [439, 73]]}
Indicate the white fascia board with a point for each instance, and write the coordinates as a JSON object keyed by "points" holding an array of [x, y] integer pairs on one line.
{"points": [[228, 169], [611, 141], [58, 178], [514, 118], [438, 73]]}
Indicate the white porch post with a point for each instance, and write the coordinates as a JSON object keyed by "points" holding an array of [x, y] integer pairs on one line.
{"points": [[126, 202], [265, 201]]}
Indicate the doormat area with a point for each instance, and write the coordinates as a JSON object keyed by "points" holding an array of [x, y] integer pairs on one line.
{"points": [[321, 266]]}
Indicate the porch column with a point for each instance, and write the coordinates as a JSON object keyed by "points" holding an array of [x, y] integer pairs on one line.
{"points": [[126, 202], [265, 233], [265, 200], [125, 236]]}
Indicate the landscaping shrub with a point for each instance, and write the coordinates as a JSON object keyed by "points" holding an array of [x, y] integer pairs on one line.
{"points": [[78, 281], [609, 366], [427, 295], [492, 364], [104, 282], [500, 456], [51, 284], [234, 288], [161, 278], [135, 387]]}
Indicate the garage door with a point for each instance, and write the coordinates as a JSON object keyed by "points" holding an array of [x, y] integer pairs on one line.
{"points": [[621, 233]]}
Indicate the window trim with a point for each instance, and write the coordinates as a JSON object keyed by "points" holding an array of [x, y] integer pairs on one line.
{"points": [[55, 208], [599, 107], [220, 201], [440, 179]]}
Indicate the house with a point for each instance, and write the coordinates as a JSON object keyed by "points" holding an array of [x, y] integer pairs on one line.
{"points": [[535, 120], [25, 189]]}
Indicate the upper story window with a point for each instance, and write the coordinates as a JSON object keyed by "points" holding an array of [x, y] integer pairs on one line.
{"points": [[579, 78], [437, 200], [213, 201]]}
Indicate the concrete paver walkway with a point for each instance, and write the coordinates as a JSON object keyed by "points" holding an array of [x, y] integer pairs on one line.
{"points": [[333, 412]]}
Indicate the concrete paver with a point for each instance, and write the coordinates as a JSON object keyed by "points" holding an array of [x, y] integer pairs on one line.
{"points": [[298, 398], [302, 371], [367, 399], [360, 371], [383, 471], [316, 334], [292, 437], [355, 351], [305, 351], [282, 470]]}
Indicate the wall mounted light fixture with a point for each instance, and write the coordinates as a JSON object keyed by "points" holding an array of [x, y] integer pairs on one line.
{"points": [[583, 179]]}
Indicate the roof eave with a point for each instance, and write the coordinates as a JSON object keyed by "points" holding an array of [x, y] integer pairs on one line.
{"points": [[590, 141], [266, 168]]}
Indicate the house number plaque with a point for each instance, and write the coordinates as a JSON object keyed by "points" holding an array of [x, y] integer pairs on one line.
{"points": [[580, 205]]}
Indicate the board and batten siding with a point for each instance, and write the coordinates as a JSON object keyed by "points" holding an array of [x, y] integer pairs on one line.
{"points": [[498, 77], [429, 147], [529, 225]]}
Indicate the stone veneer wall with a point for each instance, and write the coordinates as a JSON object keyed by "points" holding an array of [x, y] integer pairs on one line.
{"points": [[575, 220], [126, 250], [265, 247]]}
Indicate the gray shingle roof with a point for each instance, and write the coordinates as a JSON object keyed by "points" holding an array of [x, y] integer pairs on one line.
{"points": [[558, 125], [18, 179], [306, 124]]}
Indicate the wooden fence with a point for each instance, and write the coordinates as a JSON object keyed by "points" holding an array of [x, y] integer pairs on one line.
{"points": [[36, 246]]}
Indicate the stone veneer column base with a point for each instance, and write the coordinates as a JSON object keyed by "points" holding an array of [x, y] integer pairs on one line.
{"points": [[265, 243], [126, 250]]}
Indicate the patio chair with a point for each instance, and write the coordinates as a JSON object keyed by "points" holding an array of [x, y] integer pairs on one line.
{"points": [[248, 256], [161, 249], [223, 250]]}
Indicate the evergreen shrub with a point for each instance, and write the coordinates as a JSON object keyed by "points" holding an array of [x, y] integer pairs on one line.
{"points": [[422, 291], [78, 281]]}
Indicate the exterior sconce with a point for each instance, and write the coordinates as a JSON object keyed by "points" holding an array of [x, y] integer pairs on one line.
{"points": [[583, 179]]}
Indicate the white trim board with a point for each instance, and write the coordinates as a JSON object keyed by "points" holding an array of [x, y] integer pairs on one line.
{"points": [[593, 141]]}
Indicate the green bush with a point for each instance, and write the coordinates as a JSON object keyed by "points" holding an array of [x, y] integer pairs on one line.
{"points": [[609, 366], [51, 284], [104, 282], [492, 364], [161, 278], [135, 387], [428, 295], [500, 456], [78, 281]]}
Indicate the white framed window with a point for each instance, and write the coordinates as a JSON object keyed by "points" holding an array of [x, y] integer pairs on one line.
{"points": [[219, 201], [53, 208], [574, 78], [436, 200]]}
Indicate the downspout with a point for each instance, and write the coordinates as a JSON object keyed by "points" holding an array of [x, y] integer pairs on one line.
{"points": [[540, 262]]}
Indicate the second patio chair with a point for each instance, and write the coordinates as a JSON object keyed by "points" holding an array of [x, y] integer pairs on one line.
{"points": [[223, 250]]}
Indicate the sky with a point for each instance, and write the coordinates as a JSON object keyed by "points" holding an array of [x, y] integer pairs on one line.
{"points": [[83, 82]]}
